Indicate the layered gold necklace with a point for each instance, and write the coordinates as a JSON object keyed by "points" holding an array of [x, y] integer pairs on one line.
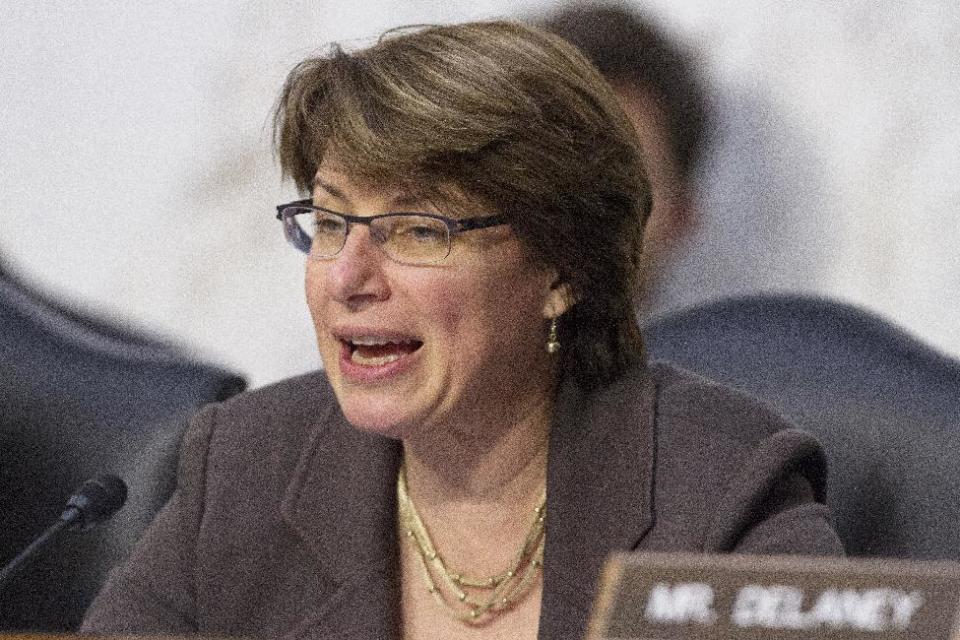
{"points": [[489, 596]]}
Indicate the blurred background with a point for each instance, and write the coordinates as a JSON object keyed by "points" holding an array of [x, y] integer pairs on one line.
{"points": [[137, 179]]}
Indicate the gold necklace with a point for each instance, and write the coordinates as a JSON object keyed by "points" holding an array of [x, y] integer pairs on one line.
{"points": [[505, 588]]}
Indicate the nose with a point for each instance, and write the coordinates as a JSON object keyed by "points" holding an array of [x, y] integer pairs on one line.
{"points": [[355, 276]]}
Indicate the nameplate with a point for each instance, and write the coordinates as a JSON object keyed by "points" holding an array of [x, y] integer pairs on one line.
{"points": [[737, 597]]}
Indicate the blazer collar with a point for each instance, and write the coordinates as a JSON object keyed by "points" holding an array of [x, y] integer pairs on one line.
{"points": [[599, 493], [342, 502]]}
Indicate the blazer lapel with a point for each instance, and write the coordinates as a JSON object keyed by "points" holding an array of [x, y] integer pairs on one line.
{"points": [[599, 493], [342, 503]]}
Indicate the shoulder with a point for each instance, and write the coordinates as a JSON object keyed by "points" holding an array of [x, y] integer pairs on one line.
{"points": [[696, 407], [260, 433], [725, 459], [293, 403], [699, 417], [293, 399], [698, 432]]}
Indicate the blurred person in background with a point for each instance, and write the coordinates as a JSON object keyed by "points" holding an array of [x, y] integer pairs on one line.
{"points": [[661, 89]]}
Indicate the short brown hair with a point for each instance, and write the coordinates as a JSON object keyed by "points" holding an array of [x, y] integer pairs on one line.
{"points": [[513, 119]]}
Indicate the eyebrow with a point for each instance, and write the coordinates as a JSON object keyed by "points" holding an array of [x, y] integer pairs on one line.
{"points": [[402, 200], [329, 188]]}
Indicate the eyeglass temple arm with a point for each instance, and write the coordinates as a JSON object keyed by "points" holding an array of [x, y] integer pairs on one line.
{"points": [[298, 203]]}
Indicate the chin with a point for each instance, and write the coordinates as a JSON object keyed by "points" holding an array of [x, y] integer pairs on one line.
{"points": [[381, 407], [378, 417]]}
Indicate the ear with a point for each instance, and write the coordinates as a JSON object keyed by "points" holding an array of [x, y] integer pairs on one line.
{"points": [[559, 300]]}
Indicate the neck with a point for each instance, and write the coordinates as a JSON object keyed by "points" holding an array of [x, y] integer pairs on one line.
{"points": [[494, 463], [475, 487]]}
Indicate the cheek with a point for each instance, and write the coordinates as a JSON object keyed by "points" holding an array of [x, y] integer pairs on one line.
{"points": [[443, 302], [482, 318], [313, 290], [318, 305]]}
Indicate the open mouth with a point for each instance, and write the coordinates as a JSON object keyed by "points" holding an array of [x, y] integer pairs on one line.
{"points": [[369, 351]]}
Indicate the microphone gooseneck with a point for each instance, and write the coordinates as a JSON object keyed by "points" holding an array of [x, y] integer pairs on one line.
{"points": [[95, 501]]}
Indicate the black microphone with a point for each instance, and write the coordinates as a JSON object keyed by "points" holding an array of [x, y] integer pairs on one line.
{"points": [[95, 501]]}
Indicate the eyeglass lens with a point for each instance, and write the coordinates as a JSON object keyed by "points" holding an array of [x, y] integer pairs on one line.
{"points": [[407, 238]]}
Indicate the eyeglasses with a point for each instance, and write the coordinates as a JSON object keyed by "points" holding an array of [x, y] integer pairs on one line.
{"points": [[407, 238]]}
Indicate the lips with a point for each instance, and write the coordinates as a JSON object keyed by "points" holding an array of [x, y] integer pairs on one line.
{"points": [[375, 355], [371, 351]]}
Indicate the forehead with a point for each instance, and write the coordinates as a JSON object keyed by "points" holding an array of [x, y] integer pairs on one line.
{"points": [[333, 180], [390, 192]]}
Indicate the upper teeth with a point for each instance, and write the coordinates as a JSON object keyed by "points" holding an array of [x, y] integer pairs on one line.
{"points": [[370, 341]]}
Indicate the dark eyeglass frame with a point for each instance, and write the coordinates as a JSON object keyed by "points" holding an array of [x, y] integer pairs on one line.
{"points": [[296, 236]]}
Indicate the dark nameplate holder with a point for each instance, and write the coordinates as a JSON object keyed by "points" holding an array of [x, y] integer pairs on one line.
{"points": [[693, 596]]}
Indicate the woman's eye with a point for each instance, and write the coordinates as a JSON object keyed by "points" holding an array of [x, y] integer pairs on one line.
{"points": [[423, 230], [327, 226], [424, 233]]}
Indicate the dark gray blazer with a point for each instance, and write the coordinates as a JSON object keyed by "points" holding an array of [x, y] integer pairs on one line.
{"points": [[283, 522]]}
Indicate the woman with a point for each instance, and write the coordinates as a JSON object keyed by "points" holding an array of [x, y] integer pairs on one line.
{"points": [[486, 430]]}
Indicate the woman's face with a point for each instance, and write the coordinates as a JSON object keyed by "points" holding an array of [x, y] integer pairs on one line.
{"points": [[455, 344]]}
